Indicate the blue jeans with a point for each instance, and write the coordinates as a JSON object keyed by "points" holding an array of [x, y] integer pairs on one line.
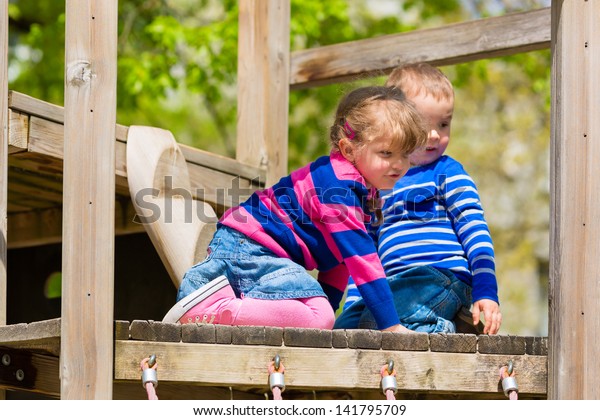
{"points": [[252, 269], [426, 299]]}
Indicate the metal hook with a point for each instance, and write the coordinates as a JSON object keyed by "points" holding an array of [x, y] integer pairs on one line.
{"points": [[390, 368], [510, 367], [277, 362], [152, 360]]}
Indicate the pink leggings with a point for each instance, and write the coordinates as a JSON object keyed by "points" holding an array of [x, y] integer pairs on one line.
{"points": [[315, 312]]}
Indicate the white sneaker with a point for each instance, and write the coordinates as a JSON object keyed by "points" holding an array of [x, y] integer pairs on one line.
{"points": [[191, 300]]}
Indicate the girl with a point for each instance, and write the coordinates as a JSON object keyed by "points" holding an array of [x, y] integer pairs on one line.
{"points": [[256, 269]]}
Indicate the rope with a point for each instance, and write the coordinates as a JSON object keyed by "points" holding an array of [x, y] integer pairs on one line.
{"points": [[509, 382], [276, 379], [151, 391], [148, 366], [276, 393], [388, 381]]}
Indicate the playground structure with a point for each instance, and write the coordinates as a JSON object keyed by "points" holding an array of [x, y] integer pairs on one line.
{"points": [[81, 151]]}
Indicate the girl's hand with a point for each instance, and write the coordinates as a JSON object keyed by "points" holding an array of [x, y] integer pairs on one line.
{"points": [[491, 314], [398, 328]]}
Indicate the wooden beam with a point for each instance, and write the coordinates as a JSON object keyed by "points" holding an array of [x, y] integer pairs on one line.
{"points": [[44, 226], [41, 125], [574, 322], [40, 337], [89, 199], [263, 88], [319, 368], [210, 175], [18, 124], [31, 184], [199, 354], [39, 141], [35, 107], [41, 343], [179, 391], [37, 373], [449, 44]]}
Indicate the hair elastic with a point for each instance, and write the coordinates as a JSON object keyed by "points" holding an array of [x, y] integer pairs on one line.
{"points": [[350, 133]]}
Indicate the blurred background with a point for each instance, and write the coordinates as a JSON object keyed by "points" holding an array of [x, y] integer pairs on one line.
{"points": [[177, 70]]}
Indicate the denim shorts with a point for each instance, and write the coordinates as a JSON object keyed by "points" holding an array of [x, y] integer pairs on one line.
{"points": [[426, 299], [252, 269]]}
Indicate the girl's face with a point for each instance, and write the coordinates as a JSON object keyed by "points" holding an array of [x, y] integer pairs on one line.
{"points": [[379, 163], [438, 115]]}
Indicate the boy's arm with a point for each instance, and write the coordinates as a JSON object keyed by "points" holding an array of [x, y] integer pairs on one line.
{"points": [[464, 207], [352, 294]]}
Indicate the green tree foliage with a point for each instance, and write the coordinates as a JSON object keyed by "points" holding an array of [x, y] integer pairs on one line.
{"points": [[177, 69], [36, 51]]}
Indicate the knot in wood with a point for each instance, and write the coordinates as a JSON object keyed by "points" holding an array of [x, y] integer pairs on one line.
{"points": [[79, 73]]}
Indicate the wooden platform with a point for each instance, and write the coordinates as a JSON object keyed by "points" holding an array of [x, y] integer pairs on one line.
{"points": [[214, 362]]}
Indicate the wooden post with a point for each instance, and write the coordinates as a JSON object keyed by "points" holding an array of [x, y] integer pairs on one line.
{"points": [[263, 85], [3, 154], [86, 362], [574, 329], [3, 162]]}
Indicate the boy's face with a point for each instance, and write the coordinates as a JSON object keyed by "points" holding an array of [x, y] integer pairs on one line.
{"points": [[438, 115]]}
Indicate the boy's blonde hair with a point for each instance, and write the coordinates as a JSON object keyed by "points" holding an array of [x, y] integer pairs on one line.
{"points": [[359, 118], [414, 79]]}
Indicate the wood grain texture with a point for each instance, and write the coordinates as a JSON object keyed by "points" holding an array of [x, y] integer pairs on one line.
{"points": [[179, 226], [263, 85], [34, 107], [18, 123], [36, 151], [41, 129], [4, 139], [89, 199], [318, 368], [38, 373], [42, 337], [244, 352], [4, 151], [44, 226], [574, 323], [449, 44]]}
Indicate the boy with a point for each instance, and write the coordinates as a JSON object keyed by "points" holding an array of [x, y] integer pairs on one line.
{"points": [[433, 241]]}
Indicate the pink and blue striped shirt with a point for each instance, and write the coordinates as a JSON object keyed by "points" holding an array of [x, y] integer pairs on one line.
{"points": [[316, 217]]}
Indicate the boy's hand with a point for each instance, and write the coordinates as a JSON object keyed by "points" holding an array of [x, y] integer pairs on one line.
{"points": [[491, 314]]}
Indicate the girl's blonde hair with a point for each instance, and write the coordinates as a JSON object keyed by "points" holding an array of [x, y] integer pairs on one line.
{"points": [[370, 112], [414, 79]]}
